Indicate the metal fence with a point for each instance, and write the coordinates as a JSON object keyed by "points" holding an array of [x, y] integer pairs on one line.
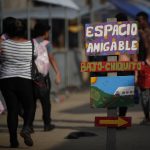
{"points": [[69, 65]]}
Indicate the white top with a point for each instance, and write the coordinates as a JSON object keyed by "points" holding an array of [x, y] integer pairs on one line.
{"points": [[16, 59]]}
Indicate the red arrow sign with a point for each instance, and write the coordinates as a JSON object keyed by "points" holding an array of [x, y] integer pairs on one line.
{"points": [[113, 121]]}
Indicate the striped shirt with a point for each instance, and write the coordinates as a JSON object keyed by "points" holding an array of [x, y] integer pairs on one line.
{"points": [[16, 59]]}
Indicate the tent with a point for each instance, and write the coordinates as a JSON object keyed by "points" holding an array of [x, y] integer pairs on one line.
{"points": [[43, 13], [132, 7], [63, 3]]}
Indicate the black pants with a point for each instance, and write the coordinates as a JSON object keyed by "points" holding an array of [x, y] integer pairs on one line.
{"points": [[123, 111], [145, 97], [43, 94], [17, 91]]}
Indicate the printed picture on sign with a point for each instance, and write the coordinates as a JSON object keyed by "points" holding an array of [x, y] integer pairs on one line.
{"points": [[111, 38], [112, 91]]}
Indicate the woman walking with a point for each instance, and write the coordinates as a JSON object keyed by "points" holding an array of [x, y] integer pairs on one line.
{"points": [[16, 83]]}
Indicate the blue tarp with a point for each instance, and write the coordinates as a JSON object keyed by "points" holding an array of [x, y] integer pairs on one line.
{"points": [[130, 8]]}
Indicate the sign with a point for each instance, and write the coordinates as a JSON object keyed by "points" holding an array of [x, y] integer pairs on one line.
{"points": [[113, 121], [110, 66], [111, 38], [112, 91]]}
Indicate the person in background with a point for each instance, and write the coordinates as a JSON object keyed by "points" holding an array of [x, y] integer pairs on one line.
{"points": [[15, 80], [144, 55], [124, 57], [41, 34]]}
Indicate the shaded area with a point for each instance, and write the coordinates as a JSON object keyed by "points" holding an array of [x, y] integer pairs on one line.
{"points": [[128, 139], [7, 147], [4, 147], [77, 119], [86, 109], [79, 134]]}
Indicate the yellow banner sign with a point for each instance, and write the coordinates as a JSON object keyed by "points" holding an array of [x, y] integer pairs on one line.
{"points": [[110, 66]]}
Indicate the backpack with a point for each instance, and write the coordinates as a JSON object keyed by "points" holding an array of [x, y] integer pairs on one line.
{"points": [[40, 63], [41, 58]]}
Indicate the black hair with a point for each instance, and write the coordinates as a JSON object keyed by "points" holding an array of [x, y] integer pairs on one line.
{"points": [[121, 17], [40, 28], [7, 23], [142, 14], [17, 29]]}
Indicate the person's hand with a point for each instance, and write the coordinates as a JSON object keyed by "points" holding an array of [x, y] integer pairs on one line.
{"points": [[148, 62], [58, 78], [136, 80]]}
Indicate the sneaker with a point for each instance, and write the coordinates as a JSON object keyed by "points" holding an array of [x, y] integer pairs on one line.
{"points": [[31, 130], [27, 137], [49, 127]]}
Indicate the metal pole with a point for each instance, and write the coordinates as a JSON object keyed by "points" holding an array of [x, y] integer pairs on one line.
{"points": [[91, 12], [28, 20], [79, 32], [50, 22], [79, 47], [66, 31], [1, 16], [111, 143], [66, 48], [111, 112], [111, 132]]}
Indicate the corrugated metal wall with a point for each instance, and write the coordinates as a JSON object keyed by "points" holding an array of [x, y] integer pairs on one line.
{"points": [[69, 64]]}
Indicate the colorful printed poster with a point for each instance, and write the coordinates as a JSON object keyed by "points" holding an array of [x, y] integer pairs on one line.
{"points": [[111, 38], [112, 91]]}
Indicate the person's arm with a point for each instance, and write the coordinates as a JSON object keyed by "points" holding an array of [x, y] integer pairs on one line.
{"points": [[53, 62], [134, 58], [55, 67]]}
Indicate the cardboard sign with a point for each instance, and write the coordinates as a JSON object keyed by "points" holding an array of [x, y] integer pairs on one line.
{"points": [[111, 38], [112, 91], [113, 121], [110, 66]]}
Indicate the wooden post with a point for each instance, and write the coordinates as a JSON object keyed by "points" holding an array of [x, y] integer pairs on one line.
{"points": [[111, 143]]}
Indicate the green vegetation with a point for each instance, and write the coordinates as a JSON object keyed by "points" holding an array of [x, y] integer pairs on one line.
{"points": [[100, 99]]}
